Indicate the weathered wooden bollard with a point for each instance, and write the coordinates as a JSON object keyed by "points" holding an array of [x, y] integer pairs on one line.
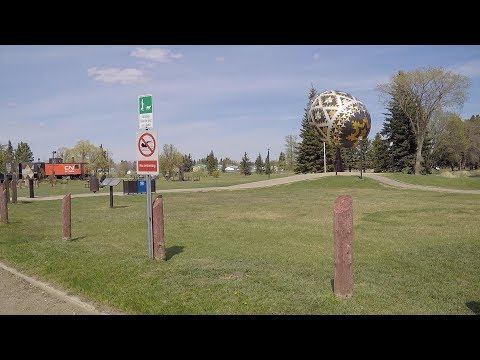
{"points": [[14, 189], [343, 246], [3, 204], [66, 217], [30, 188], [158, 229], [6, 186]]}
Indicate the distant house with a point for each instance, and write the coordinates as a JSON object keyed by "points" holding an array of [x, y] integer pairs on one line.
{"points": [[231, 168]]}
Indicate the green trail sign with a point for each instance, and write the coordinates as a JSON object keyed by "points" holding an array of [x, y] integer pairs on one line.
{"points": [[145, 104], [145, 112]]}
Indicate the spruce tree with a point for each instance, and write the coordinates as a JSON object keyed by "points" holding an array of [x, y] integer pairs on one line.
{"points": [[401, 142], [245, 165], [310, 150], [268, 169], [212, 163], [377, 156], [9, 151], [259, 164], [23, 152], [282, 163], [188, 163], [400, 138]]}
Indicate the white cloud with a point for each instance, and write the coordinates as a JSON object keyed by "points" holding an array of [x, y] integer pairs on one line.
{"points": [[470, 68], [113, 75], [220, 59], [156, 54], [316, 56]]}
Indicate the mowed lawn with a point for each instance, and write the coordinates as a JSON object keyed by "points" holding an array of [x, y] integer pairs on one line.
{"points": [[464, 180], [262, 251]]}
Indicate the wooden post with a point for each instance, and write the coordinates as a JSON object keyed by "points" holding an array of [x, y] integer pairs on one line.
{"points": [[111, 196], [6, 186], [14, 188], [343, 246], [30, 188], [158, 229], [66, 217], [3, 204]]}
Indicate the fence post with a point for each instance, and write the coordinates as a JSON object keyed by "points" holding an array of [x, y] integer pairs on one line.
{"points": [[343, 246], [3, 204], [6, 186], [14, 188], [66, 217], [158, 229]]}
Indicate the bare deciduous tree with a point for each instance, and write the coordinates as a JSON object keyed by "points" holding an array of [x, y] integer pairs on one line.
{"points": [[422, 93]]}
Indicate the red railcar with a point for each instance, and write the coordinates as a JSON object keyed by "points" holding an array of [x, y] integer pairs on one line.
{"points": [[74, 170]]}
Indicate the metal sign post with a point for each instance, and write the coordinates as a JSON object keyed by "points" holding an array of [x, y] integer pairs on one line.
{"points": [[149, 216], [147, 156]]}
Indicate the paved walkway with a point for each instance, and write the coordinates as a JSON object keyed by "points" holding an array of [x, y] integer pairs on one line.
{"points": [[21, 294]]}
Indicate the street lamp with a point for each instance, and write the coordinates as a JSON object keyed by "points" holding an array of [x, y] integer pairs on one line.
{"points": [[360, 138]]}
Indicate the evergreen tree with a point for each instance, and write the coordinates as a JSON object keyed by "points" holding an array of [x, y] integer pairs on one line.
{"points": [[362, 155], [400, 138], [245, 165], [259, 164], [330, 157], [268, 169], [188, 163], [349, 158], [401, 141], [23, 152], [310, 150], [377, 156], [9, 150], [212, 163], [281, 161]]}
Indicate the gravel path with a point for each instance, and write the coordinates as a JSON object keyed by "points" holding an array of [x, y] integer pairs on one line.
{"points": [[23, 295]]}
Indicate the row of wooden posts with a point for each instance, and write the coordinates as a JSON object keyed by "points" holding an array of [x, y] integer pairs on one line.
{"points": [[342, 234]]}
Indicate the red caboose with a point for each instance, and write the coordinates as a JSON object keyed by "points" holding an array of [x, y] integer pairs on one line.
{"points": [[74, 170]]}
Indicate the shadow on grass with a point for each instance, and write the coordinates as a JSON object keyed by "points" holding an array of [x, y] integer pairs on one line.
{"points": [[120, 206], [474, 306], [78, 238], [173, 250]]}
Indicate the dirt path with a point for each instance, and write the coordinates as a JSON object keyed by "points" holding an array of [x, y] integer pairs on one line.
{"points": [[279, 181], [20, 294]]}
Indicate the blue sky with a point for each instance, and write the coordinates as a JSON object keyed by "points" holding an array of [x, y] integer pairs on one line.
{"points": [[227, 98]]}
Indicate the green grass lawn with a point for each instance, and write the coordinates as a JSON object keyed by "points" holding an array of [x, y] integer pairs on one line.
{"points": [[81, 186], [470, 182], [262, 251]]}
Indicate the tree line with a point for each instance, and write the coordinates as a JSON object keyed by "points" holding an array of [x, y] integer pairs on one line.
{"points": [[420, 132]]}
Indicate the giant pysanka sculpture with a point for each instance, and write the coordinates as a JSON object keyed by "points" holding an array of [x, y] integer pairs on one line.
{"points": [[339, 118]]}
